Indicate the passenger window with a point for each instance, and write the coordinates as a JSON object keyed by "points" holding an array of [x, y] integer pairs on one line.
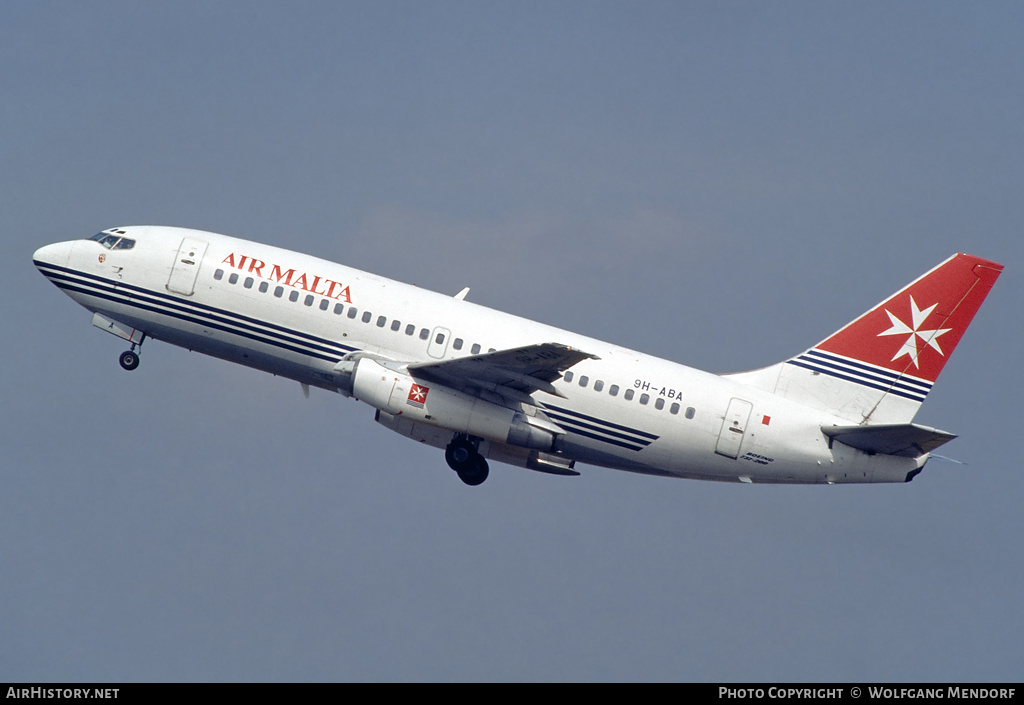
{"points": [[352, 312], [628, 395], [475, 350], [424, 334], [689, 412], [598, 386], [325, 304], [396, 325], [293, 297], [233, 279], [614, 390], [248, 282], [410, 329], [367, 316], [279, 291], [457, 343], [219, 274], [674, 409], [644, 398], [308, 301], [584, 380], [659, 403], [439, 339], [568, 376], [338, 308], [381, 320], [263, 287]]}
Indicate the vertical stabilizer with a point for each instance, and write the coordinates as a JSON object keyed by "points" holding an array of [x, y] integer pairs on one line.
{"points": [[879, 368]]}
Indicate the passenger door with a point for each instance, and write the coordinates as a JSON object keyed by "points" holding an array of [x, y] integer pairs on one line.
{"points": [[186, 266], [734, 426]]}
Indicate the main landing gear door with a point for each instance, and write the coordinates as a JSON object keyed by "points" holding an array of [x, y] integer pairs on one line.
{"points": [[734, 425], [186, 266]]}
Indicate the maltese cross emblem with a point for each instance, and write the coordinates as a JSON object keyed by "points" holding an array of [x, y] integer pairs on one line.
{"points": [[910, 345]]}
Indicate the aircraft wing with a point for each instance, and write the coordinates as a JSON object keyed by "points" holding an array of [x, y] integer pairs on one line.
{"points": [[527, 369]]}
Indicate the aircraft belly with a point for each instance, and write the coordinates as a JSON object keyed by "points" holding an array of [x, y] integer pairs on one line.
{"points": [[225, 346], [587, 451]]}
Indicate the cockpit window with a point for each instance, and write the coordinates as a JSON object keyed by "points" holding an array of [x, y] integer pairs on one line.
{"points": [[114, 242]]}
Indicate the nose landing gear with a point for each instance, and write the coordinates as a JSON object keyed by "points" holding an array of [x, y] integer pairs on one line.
{"points": [[129, 358], [464, 458]]}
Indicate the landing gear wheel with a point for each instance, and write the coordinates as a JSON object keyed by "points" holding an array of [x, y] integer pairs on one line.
{"points": [[463, 457], [129, 360], [476, 473], [459, 454]]}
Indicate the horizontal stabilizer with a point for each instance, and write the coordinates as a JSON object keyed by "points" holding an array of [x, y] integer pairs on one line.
{"points": [[905, 440]]}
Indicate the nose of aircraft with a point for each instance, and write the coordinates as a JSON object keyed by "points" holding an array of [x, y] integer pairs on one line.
{"points": [[55, 254]]}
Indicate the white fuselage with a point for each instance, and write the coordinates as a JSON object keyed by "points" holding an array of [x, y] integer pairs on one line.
{"points": [[275, 310]]}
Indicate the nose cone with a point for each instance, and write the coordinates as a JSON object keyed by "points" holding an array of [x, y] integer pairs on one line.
{"points": [[56, 254]]}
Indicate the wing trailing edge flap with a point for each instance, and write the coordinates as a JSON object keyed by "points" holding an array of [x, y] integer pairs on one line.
{"points": [[905, 440], [521, 371]]}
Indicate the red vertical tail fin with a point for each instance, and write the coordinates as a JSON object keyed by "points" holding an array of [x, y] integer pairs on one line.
{"points": [[879, 368]]}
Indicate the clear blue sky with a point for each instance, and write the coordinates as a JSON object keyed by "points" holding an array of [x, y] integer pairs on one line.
{"points": [[722, 184]]}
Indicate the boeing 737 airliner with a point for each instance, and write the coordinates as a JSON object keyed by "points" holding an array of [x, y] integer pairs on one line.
{"points": [[482, 384]]}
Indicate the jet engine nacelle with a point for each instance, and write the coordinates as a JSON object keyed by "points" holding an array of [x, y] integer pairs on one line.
{"points": [[399, 394]]}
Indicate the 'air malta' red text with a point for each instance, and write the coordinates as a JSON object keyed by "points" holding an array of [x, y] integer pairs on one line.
{"points": [[313, 284]]}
